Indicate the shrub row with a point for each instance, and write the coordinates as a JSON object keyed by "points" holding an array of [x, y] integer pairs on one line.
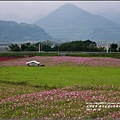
{"points": [[25, 54], [82, 54], [113, 55]]}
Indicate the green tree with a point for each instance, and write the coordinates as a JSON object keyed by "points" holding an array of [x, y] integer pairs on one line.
{"points": [[14, 47], [29, 47], [24, 47], [79, 46], [46, 48], [113, 47], [65, 47], [55, 48]]}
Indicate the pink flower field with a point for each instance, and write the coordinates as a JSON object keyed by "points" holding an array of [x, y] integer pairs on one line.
{"points": [[71, 102], [65, 60], [8, 58], [65, 103]]}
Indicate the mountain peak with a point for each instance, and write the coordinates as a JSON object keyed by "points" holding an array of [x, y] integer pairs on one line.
{"points": [[68, 5], [11, 31], [70, 8], [70, 22]]}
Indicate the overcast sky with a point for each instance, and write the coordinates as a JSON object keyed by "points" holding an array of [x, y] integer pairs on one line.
{"points": [[31, 11]]}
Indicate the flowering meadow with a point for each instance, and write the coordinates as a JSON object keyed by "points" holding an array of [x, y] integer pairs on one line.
{"points": [[65, 60], [71, 101], [64, 103], [8, 58]]}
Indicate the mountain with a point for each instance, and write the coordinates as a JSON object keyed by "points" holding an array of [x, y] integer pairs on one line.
{"points": [[70, 22], [11, 31]]}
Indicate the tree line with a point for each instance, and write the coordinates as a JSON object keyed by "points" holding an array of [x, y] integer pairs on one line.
{"points": [[78, 45]]}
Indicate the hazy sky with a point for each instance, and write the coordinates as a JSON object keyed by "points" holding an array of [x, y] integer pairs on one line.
{"points": [[31, 11]]}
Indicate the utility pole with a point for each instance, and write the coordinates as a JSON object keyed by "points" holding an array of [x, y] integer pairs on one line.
{"points": [[39, 47], [58, 52], [107, 48]]}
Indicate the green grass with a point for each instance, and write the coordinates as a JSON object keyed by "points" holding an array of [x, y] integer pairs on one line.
{"points": [[22, 54], [8, 90], [23, 80], [60, 76]]}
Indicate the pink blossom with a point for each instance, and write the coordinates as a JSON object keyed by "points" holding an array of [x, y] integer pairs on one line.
{"points": [[64, 101], [64, 60]]}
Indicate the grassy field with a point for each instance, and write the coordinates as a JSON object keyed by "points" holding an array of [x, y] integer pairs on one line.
{"points": [[60, 90], [60, 76]]}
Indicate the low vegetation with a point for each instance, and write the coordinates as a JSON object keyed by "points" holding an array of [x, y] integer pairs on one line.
{"points": [[76, 54], [60, 76], [63, 89], [65, 103]]}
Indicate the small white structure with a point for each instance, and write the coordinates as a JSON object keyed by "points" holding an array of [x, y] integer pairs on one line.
{"points": [[33, 63]]}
